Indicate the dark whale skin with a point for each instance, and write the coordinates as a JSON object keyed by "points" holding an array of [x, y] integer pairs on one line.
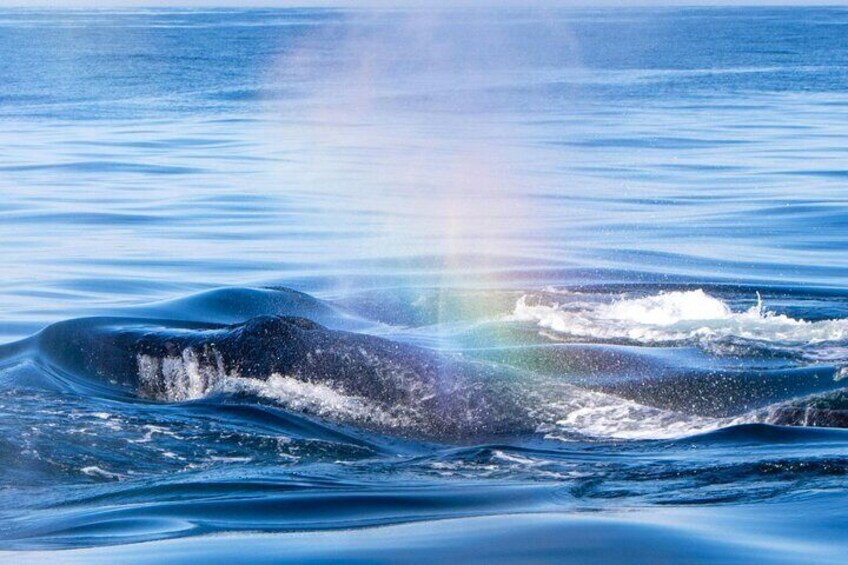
{"points": [[440, 395], [430, 394]]}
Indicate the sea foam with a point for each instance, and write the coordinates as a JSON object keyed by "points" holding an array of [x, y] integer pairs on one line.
{"points": [[679, 316]]}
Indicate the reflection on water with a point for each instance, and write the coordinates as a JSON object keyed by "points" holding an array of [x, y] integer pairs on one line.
{"points": [[605, 248]]}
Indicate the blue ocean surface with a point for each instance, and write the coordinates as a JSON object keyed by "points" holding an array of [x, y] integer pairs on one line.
{"points": [[426, 286]]}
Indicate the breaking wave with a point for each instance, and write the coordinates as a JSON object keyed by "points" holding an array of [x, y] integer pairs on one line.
{"points": [[682, 317], [593, 387]]}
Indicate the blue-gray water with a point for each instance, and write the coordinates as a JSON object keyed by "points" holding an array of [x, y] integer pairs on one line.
{"points": [[603, 254]]}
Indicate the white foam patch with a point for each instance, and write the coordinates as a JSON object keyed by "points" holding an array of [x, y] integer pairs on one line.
{"points": [[94, 471], [671, 317], [599, 415], [319, 399]]}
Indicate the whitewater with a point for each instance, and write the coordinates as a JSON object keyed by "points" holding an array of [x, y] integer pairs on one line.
{"points": [[528, 284]]}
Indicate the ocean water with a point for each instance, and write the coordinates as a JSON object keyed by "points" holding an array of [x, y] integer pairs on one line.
{"points": [[514, 285]]}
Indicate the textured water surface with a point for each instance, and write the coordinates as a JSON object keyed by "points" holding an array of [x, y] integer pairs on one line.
{"points": [[497, 286]]}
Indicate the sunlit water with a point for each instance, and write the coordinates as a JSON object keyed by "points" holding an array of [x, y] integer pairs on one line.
{"points": [[592, 264]]}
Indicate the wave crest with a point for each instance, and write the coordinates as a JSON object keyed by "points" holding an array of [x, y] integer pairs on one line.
{"points": [[679, 316]]}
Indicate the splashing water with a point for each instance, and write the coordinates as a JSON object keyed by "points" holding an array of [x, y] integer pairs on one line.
{"points": [[681, 316], [423, 176]]}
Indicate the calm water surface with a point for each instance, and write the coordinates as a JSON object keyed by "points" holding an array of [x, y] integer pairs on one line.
{"points": [[593, 262]]}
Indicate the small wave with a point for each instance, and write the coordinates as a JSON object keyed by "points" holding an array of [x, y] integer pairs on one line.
{"points": [[681, 317], [415, 392], [97, 472]]}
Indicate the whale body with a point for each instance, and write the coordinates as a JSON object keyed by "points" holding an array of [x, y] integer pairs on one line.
{"points": [[397, 387], [436, 394]]}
